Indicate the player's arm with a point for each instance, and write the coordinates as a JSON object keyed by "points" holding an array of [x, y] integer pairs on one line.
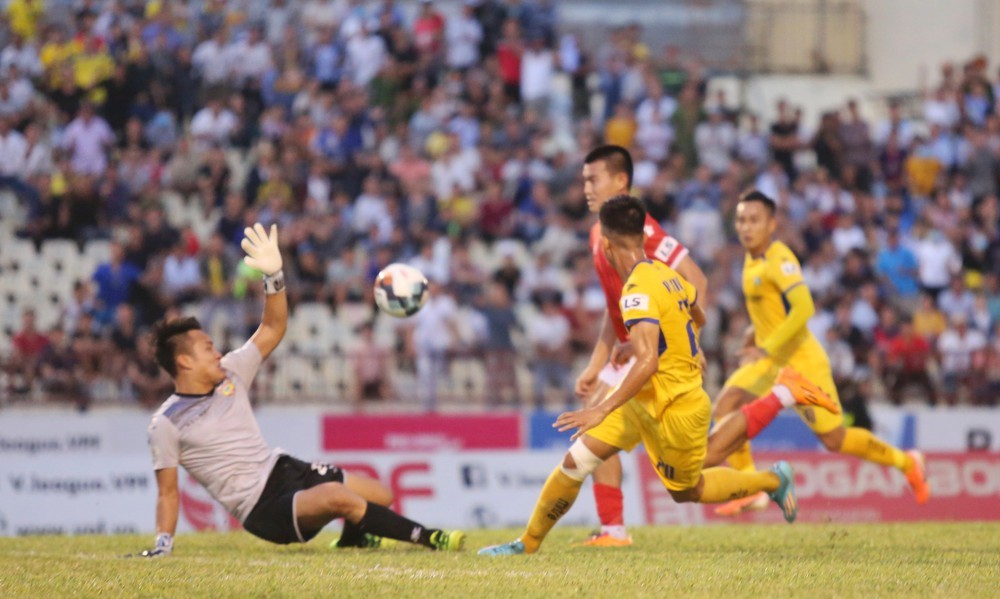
{"points": [[167, 501], [693, 274], [666, 249], [800, 309], [645, 338], [264, 255], [602, 351]]}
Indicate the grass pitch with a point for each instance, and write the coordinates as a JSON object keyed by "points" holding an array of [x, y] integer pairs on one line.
{"points": [[721, 562]]}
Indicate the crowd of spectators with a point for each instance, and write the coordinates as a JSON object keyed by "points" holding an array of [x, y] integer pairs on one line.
{"points": [[378, 132]]}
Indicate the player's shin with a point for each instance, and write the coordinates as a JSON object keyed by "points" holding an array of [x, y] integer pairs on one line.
{"points": [[863, 444], [725, 484], [383, 522], [559, 493]]}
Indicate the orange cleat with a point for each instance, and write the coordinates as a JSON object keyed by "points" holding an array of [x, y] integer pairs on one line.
{"points": [[752, 503], [918, 478], [605, 540], [806, 392]]}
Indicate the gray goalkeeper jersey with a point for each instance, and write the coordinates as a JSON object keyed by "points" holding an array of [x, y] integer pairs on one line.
{"points": [[216, 437]]}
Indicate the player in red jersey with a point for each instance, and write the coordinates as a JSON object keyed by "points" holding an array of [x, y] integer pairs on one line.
{"points": [[607, 172]]}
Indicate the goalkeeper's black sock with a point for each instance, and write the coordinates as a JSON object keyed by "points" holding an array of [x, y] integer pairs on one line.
{"points": [[351, 536], [382, 521]]}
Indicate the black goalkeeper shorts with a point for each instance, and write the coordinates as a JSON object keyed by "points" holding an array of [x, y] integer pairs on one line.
{"points": [[273, 517]]}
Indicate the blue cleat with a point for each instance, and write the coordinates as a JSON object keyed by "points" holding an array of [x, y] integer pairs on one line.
{"points": [[515, 547], [784, 496]]}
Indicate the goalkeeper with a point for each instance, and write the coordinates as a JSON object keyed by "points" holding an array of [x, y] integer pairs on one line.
{"points": [[208, 427]]}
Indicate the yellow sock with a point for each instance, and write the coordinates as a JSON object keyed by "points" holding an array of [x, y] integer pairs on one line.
{"points": [[725, 484], [861, 443], [557, 496], [742, 459]]}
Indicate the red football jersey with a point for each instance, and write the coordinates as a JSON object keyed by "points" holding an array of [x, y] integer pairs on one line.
{"points": [[659, 246]]}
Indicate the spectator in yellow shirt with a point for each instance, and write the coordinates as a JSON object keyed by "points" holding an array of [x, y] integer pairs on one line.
{"points": [[928, 321], [24, 15], [92, 67], [620, 129]]}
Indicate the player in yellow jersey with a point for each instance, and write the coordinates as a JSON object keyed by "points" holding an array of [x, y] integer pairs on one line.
{"points": [[780, 305], [669, 411]]}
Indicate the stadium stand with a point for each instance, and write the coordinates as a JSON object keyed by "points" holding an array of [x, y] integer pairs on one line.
{"points": [[381, 132]]}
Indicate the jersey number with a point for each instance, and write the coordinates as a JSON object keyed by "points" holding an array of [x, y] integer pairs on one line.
{"points": [[691, 339]]}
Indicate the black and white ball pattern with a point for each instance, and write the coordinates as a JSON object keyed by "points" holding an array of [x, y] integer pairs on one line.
{"points": [[400, 290]]}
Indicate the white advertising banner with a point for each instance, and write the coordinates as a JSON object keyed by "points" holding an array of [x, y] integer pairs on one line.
{"points": [[965, 429], [108, 495]]}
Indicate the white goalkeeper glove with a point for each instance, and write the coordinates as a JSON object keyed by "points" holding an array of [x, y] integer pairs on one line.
{"points": [[164, 546], [262, 249]]}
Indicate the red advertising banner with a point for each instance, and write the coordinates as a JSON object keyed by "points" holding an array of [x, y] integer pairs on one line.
{"points": [[836, 488], [421, 432]]}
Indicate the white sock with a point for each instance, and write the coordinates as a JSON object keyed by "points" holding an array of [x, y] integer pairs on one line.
{"points": [[617, 531], [784, 395]]}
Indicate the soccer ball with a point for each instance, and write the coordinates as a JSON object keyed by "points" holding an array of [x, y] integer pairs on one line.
{"points": [[400, 290]]}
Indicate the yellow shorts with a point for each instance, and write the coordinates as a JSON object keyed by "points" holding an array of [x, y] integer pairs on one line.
{"points": [[758, 377], [676, 443]]}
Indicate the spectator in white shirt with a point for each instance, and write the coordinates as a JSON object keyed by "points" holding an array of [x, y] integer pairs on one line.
{"points": [[13, 151], [715, 140], [249, 59], [371, 210], [38, 159], [549, 335], [962, 358], [937, 261], [87, 139], [181, 275], [463, 34], [752, 145], [657, 107], [847, 235], [22, 55], [211, 60], [366, 53], [213, 124], [435, 330], [537, 68], [957, 299]]}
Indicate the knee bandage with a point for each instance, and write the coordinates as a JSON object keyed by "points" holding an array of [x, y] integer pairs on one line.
{"points": [[586, 461]]}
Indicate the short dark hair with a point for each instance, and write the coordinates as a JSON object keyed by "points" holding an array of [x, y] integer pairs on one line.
{"points": [[166, 340], [623, 216], [755, 195], [615, 158]]}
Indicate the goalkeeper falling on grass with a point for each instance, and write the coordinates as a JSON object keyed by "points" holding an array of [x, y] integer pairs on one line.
{"points": [[669, 411], [208, 427]]}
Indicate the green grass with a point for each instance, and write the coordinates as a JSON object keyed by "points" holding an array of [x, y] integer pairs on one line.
{"points": [[721, 562]]}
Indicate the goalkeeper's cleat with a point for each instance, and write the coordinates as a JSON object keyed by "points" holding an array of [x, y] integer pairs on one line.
{"points": [[448, 540], [917, 477], [603, 539], [784, 495], [369, 541], [806, 392], [752, 503], [515, 547]]}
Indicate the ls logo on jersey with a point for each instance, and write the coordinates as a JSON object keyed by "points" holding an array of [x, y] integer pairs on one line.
{"points": [[227, 388], [635, 301], [789, 268], [665, 250]]}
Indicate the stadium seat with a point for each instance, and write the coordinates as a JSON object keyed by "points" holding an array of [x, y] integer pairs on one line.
{"points": [[60, 257], [98, 249], [18, 254], [353, 315], [309, 330]]}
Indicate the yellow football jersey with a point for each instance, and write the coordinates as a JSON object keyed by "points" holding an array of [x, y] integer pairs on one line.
{"points": [[766, 280], [654, 292]]}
